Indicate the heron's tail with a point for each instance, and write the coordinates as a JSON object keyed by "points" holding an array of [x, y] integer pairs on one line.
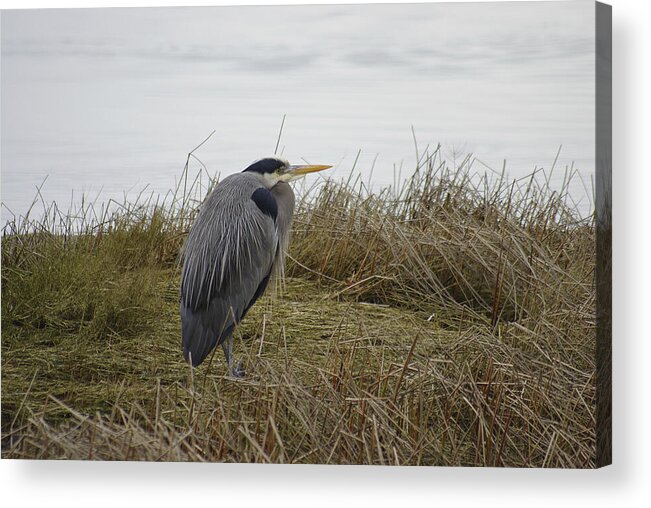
{"points": [[199, 336]]}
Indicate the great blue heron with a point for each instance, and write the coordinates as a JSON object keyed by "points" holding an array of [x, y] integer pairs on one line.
{"points": [[237, 241]]}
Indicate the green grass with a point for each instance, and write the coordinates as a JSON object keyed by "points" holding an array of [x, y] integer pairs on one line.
{"points": [[450, 321]]}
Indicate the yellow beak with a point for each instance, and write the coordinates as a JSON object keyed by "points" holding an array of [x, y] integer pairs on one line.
{"points": [[304, 170]]}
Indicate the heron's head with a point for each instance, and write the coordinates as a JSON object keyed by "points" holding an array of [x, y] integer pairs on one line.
{"points": [[277, 169]]}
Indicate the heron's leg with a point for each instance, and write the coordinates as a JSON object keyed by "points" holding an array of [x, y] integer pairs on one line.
{"points": [[229, 358], [239, 370], [228, 353]]}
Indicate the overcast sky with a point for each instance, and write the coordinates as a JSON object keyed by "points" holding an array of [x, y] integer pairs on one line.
{"points": [[115, 98]]}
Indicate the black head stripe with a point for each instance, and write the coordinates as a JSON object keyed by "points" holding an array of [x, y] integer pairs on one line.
{"points": [[266, 202], [269, 165]]}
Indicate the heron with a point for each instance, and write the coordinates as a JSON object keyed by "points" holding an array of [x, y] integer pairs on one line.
{"points": [[236, 243]]}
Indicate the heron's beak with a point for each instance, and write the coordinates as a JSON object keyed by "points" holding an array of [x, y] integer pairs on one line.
{"points": [[304, 170]]}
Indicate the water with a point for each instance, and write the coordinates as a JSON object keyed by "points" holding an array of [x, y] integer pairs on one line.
{"points": [[103, 101]]}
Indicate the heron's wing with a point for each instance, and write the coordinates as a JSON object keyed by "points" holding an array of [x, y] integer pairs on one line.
{"points": [[228, 260]]}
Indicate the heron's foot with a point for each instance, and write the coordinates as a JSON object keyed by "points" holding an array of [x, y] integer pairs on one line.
{"points": [[238, 372]]}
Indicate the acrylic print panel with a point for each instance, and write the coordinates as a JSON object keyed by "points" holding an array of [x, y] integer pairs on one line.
{"points": [[443, 297]]}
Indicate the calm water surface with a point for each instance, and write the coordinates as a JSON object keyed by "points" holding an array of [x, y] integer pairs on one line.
{"points": [[110, 100]]}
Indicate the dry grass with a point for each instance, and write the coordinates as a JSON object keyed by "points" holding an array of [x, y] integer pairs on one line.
{"points": [[447, 322]]}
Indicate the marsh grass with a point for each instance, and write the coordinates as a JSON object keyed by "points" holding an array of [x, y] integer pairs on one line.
{"points": [[447, 321]]}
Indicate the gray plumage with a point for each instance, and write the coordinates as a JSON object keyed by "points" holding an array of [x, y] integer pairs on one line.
{"points": [[237, 242]]}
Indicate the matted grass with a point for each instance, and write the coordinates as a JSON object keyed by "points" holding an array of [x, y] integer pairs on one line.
{"points": [[447, 322]]}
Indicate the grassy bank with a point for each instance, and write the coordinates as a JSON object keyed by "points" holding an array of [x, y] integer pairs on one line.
{"points": [[450, 321]]}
